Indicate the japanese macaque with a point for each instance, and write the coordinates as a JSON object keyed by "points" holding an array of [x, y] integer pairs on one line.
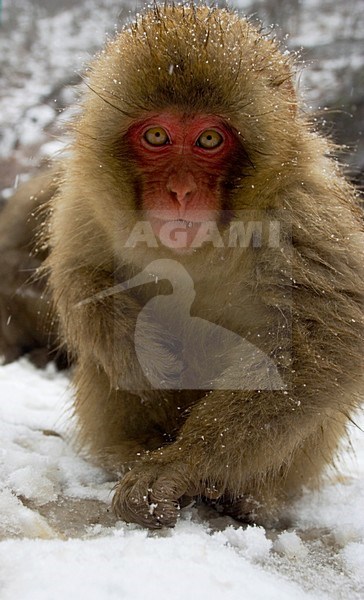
{"points": [[26, 323], [206, 266]]}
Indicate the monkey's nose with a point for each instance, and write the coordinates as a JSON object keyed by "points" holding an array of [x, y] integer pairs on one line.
{"points": [[182, 186]]}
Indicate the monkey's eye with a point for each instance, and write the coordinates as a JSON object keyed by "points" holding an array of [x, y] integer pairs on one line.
{"points": [[156, 136], [210, 139]]}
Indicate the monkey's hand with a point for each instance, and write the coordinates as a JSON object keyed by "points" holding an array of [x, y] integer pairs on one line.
{"points": [[150, 493], [217, 453]]}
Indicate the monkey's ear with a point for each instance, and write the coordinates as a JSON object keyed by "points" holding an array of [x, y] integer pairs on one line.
{"points": [[287, 87]]}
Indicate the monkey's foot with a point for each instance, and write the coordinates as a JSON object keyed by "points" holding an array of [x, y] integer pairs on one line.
{"points": [[248, 509], [242, 508], [150, 493]]}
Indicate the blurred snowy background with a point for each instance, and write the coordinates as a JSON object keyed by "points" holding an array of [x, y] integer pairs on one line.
{"points": [[45, 45], [53, 498]]}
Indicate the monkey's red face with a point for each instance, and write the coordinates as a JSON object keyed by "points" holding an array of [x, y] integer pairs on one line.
{"points": [[182, 163]]}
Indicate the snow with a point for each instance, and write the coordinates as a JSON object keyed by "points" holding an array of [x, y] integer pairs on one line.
{"points": [[59, 539], [291, 545], [132, 565], [35, 119], [328, 36]]}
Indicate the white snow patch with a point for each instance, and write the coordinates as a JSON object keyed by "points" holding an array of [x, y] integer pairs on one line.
{"points": [[131, 565], [251, 542], [291, 545], [353, 556]]}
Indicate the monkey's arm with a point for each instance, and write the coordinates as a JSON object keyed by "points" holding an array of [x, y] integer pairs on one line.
{"points": [[95, 327], [230, 444], [100, 328], [234, 442]]}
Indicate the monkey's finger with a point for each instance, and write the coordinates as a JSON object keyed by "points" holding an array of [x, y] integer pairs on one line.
{"points": [[128, 502], [166, 491], [134, 502]]}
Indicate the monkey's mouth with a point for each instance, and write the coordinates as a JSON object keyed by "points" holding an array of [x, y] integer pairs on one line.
{"points": [[185, 223], [180, 234]]}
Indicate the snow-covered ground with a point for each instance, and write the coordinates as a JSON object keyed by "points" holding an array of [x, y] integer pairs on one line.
{"points": [[60, 540]]}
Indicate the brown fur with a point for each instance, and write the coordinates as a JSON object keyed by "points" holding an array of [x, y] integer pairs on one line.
{"points": [[26, 326], [252, 449]]}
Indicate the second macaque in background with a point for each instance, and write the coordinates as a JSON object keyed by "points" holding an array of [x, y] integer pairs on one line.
{"points": [[27, 323], [190, 137]]}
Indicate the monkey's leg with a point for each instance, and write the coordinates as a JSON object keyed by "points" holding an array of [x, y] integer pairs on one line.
{"points": [[231, 442], [118, 427], [314, 455], [264, 501]]}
